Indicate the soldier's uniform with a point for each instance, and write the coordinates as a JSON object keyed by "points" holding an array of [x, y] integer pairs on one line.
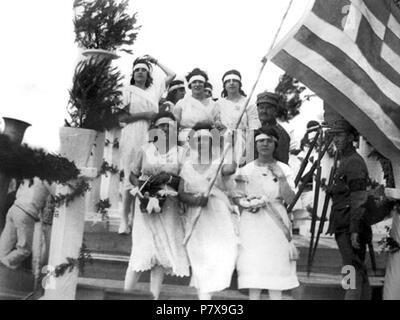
{"points": [[349, 194]]}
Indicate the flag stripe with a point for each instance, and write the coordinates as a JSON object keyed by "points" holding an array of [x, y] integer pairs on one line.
{"points": [[353, 23], [349, 88], [392, 41], [368, 124], [394, 9], [378, 8], [377, 25], [394, 26], [369, 44], [350, 69], [327, 31], [332, 11], [391, 57], [336, 38]]}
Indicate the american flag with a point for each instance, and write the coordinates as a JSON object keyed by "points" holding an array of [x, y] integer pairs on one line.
{"points": [[348, 53]]}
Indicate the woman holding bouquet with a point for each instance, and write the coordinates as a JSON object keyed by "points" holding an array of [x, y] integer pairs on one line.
{"points": [[267, 255], [157, 235]]}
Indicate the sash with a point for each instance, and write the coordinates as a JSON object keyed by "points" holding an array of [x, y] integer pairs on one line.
{"points": [[275, 215]]}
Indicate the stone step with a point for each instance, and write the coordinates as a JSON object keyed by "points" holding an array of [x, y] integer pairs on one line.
{"points": [[315, 287], [111, 255], [100, 289]]}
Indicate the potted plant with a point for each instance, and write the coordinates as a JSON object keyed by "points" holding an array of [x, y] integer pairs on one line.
{"points": [[95, 93], [104, 26]]}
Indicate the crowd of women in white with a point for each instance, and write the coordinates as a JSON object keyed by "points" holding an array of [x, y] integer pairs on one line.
{"points": [[241, 223]]}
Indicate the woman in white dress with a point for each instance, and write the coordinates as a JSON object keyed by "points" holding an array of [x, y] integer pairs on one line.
{"points": [[230, 108], [157, 238], [141, 99], [194, 108], [266, 252], [210, 234]]}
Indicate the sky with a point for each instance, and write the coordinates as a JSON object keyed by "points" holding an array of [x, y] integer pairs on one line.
{"points": [[39, 54]]}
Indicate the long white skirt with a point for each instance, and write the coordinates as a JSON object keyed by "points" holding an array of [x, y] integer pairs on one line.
{"points": [[133, 137], [157, 240], [263, 261], [212, 247]]}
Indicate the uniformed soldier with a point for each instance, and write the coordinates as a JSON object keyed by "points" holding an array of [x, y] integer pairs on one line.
{"points": [[268, 107], [347, 221]]}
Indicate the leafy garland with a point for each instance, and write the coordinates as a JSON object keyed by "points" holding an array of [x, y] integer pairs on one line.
{"points": [[22, 162], [80, 263], [78, 190], [106, 167], [104, 24]]}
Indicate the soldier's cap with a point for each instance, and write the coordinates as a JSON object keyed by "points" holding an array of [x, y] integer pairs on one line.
{"points": [[342, 126], [268, 97]]}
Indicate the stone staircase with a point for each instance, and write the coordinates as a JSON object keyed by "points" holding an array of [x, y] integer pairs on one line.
{"points": [[104, 278]]}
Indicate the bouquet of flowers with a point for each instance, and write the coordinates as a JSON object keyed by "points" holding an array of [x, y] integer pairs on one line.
{"points": [[152, 194], [252, 203]]}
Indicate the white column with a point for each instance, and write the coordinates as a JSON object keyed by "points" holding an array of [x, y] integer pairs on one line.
{"points": [[110, 185], [66, 242], [69, 220], [95, 161]]}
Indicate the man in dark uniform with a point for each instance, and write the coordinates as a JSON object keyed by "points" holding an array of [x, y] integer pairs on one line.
{"points": [[267, 107], [347, 221]]}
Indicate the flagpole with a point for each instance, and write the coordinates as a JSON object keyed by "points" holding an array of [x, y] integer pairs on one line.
{"points": [[226, 148], [263, 64]]}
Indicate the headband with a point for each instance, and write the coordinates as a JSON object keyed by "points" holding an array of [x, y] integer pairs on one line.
{"points": [[232, 76], [263, 136], [165, 120], [202, 133], [176, 87], [141, 66], [197, 78]]}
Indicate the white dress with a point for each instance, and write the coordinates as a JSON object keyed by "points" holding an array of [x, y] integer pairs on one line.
{"points": [[135, 135], [157, 239], [391, 290], [190, 111], [229, 113], [212, 246], [263, 261]]}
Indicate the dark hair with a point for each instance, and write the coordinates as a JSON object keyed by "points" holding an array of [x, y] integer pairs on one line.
{"points": [[196, 72], [208, 85], [171, 96], [224, 93], [149, 80], [269, 131]]}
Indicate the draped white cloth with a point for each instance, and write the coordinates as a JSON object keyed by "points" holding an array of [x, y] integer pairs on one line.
{"points": [[263, 261], [135, 135], [212, 247], [391, 290], [157, 239]]}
